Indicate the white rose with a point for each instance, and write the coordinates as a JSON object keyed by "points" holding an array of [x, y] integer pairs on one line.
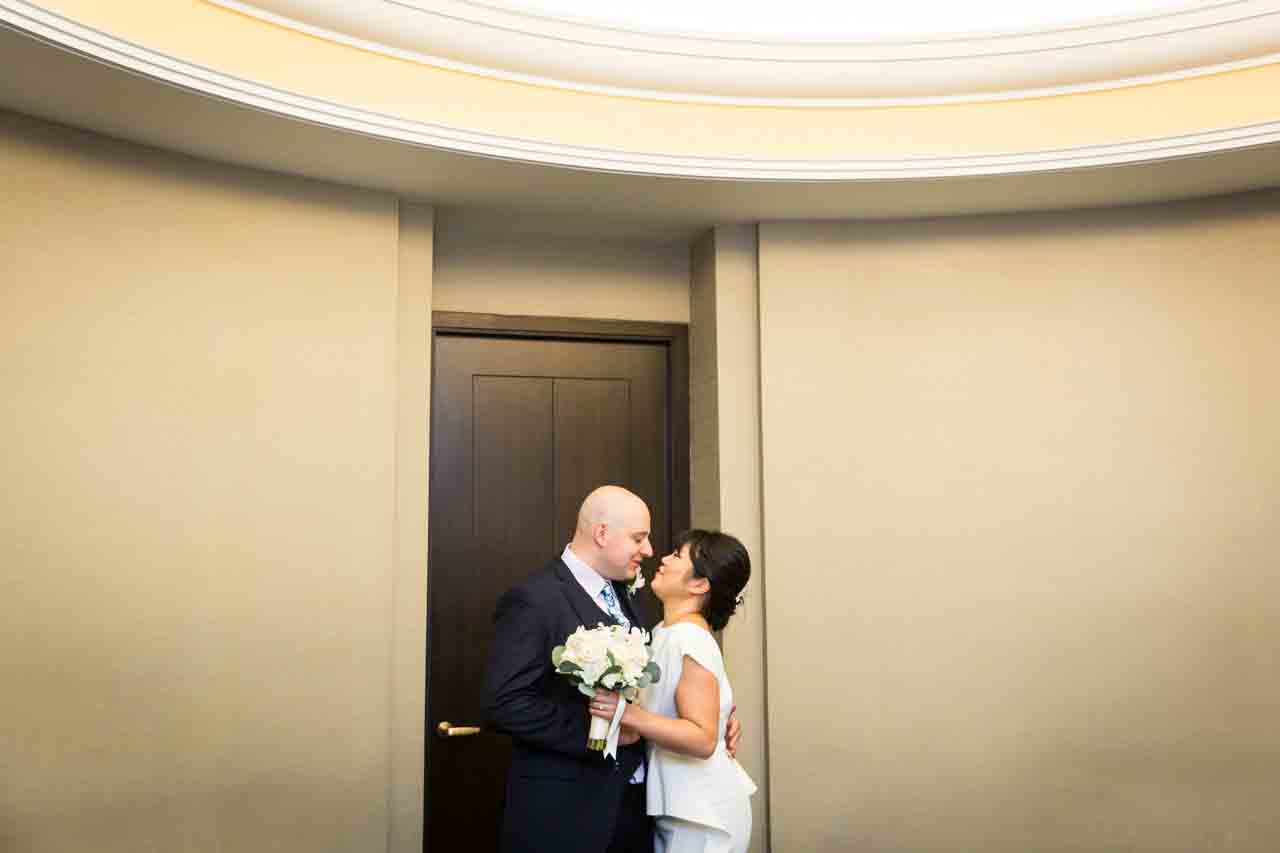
{"points": [[585, 647], [591, 672], [631, 654]]}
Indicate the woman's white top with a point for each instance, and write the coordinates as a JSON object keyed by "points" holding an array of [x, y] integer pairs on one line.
{"points": [[678, 785]]}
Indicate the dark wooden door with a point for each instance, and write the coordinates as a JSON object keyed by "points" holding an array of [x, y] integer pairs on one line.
{"points": [[525, 422]]}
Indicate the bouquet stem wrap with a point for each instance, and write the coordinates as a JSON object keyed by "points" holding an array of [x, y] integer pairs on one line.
{"points": [[615, 728], [598, 736]]}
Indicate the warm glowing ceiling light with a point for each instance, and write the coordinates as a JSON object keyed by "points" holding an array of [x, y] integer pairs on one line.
{"points": [[842, 20]]}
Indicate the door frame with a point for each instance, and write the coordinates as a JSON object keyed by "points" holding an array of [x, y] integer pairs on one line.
{"points": [[674, 336]]}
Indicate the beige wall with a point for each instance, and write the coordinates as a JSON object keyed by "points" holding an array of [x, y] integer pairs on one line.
{"points": [[501, 264], [408, 664], [215, 505], [724, 353], [1019, 471], [704, 398], [199, 371], [1021, 489]]}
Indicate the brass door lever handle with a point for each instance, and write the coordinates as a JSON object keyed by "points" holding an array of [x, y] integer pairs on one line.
{"points": [[447, 729]]}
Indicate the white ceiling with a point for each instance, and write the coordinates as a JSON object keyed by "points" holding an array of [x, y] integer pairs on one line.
{"points": [[840, 20], [40, 80], [803, 52]]}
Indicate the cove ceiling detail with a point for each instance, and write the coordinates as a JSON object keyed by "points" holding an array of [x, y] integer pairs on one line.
{"points": [[529, 41], [309, 73]]}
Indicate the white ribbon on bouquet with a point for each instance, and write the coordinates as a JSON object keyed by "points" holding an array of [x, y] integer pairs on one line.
{"points": [[615, 729]]}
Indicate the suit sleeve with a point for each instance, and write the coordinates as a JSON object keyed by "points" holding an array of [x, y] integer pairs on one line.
{"points": [[515, 701]]}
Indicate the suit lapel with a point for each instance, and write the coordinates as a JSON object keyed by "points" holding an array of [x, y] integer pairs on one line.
{"points": [[589, 614]]}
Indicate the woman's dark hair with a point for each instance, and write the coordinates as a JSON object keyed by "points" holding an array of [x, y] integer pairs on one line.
{"points": [[725, 563]]}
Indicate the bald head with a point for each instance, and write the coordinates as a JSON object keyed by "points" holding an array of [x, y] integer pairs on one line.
{"points": [[612, 535], [609, 505]]}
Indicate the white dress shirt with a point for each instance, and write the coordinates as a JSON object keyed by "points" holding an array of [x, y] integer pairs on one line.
{"points": [[588, 578], [592, 582]]}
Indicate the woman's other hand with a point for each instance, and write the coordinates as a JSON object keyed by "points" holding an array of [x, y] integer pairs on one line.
{"points": [[732, 733]]}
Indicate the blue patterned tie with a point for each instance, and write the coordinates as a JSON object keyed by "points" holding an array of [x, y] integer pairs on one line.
{"points": [[611, 604]]}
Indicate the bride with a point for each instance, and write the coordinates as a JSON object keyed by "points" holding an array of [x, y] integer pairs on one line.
{"points": [[697, 792]]}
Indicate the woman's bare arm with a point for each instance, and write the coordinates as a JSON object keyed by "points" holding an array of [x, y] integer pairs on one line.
{"points": [[695, 733]]}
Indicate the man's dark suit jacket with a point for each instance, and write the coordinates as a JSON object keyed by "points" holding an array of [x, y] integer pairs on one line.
{"points": [[560, 796]]}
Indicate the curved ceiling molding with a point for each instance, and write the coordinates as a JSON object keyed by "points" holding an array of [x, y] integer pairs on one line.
{"points": [[103, 47], [1193, 38]]}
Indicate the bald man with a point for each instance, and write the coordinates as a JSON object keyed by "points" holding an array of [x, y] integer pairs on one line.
{"points": [[560, 796]]}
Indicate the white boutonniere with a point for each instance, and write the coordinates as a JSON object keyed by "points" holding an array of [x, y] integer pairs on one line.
{"points": [[636, 584]]}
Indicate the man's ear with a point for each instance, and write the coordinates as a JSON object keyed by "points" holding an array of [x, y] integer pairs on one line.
{"points": [[699, 586], [599, 534]]}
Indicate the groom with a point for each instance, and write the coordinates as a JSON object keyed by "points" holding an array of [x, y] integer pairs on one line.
{"points": [[560, 796]]}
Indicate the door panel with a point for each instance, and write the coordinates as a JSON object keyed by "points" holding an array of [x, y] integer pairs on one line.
{"points": [[593, 441], [522, 429], [513, 435]]}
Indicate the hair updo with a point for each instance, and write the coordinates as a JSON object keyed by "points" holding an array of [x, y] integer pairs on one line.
{"points": [[724, 562]]}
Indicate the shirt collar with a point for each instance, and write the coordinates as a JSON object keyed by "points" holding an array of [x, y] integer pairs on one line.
{"points": [[586, 576]]}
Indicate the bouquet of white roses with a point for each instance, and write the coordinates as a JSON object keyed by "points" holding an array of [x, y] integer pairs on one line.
{"points": [[611, 657]]}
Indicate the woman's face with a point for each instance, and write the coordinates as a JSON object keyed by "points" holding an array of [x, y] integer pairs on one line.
{"points": [[674, 573]]}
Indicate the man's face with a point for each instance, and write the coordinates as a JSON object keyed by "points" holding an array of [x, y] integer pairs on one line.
{"points": [[626, 543]]}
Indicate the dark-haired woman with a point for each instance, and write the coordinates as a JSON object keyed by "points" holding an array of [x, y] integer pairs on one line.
{"points": [[697, 792]]}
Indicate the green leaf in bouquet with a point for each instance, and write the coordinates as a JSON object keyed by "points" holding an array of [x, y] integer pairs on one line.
{"points": [[568, 667], [585, 690], [654, 672], [556, 654]]}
